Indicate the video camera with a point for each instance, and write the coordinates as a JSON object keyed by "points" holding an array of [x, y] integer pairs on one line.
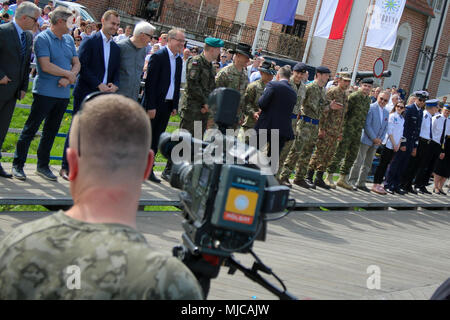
{"points": [[228, 193]]}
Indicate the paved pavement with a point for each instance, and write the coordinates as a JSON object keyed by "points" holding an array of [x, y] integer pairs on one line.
{"points": [[326, 255]]}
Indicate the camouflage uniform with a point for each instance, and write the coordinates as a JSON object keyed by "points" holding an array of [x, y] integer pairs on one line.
{"points": [[314, 104], [301, 90], [251, 97], [200, 82], [331, 122], [231, 77], [115, 262], [354, 120]]}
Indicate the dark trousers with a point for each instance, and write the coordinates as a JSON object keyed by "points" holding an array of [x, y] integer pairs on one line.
{"points": [[159, 123], [397, 167], [415, 163], [43, 108], [76, 107], [427, 164], [6, 113], [386, 157]]}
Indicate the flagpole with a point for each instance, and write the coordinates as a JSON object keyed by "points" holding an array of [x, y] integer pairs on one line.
{"points": [[362, 40], [258, 29], [311, 32]]}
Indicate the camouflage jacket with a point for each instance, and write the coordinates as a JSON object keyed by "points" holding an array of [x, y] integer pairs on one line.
{"points": [[200, 82], [301, 91], [43, 259], [332, 120], [358, 107], [315, 102], [231, 77], [251, 97]]}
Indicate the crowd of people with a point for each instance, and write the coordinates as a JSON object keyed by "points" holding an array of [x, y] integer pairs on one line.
{"points": [[319, 133]]}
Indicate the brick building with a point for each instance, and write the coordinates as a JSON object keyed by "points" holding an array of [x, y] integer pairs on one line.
{"points": [[412, 61]]}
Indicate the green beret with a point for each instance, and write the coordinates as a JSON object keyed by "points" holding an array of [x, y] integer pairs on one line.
{"points": [[214, 42]]}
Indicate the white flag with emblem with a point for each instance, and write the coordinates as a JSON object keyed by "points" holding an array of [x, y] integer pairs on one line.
{"points": [[382, 32]]}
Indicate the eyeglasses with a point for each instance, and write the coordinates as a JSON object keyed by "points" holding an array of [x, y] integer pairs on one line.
{"points": [[179, 40], [148, 35], [89, 97], [382, 99], [34, 19]]}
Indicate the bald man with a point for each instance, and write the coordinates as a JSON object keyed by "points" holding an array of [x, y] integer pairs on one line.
{"points": [[97, 239]]}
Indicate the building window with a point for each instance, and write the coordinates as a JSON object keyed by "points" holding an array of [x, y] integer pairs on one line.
{"points": [[298, 29], [447, 68], [425, 58], [396, 51]]}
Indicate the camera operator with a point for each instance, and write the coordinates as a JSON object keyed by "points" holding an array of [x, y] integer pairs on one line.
{"points": [[108, 159]]}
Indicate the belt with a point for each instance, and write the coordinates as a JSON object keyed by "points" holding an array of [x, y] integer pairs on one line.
{"points": [[293, 116], [427, 141], [309, 120]]}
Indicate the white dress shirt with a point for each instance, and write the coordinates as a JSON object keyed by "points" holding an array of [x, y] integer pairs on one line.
{"points": [[173, 65], [380, 111], [395, 127], [438, 127], [426, 125], [106, 54]]}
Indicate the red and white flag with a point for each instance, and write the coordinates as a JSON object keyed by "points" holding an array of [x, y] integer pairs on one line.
{"points": [[332, 18]]}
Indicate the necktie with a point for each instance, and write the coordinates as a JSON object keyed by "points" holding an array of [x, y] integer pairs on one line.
{"points": [[23, 40], [443, 132], [431, 129]]}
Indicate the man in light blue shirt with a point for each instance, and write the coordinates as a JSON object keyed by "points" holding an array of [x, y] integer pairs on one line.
{"points": [[57, 66]]}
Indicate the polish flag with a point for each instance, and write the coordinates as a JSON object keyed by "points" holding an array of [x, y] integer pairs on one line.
{"points": [[333, 18]]}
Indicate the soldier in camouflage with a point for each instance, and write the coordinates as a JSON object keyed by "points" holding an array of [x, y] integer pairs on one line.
{"points": [[235, 76], [251, 98], [200, 82], [354, 120], [314, 104], [300, 75], [330, 131], [93, 250]]}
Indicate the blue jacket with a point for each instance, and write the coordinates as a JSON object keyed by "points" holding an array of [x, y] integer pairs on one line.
{"points": [[413, 123], [374, 126], [277, 102], [93, 66], [158, 80]]}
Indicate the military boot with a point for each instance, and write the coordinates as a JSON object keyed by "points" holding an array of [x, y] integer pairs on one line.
{"points": [[309, 179], [343, 182], [319, 181], [329, 181]]}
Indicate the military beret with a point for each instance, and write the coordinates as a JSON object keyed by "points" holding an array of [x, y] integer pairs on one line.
{"points": [[300, 67], [322, 69], [432, 103], [214, 42], [367, 80]]}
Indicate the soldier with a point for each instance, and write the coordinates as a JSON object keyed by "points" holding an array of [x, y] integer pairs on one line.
{"points": [[297, 82], [330, 131], [347, 149], [200, 82], [251, 97], [234, 76], [314, 104]]}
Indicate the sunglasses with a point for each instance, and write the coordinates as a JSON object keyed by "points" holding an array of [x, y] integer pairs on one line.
{"points": [[89, 97], [34, 19], [382, 99]]}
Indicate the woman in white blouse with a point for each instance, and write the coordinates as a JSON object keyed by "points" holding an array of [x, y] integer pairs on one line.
{"points": [[395, 132]]}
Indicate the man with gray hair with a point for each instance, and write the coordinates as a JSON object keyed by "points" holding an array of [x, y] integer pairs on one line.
{"points": [[97, 238], [15, 64], [132, 59], [58, 66]]}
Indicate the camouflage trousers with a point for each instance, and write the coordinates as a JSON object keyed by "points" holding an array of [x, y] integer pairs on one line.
{"points": [[324, 153], [347, 149], [187, 121], [300, 151], [285, 151]]}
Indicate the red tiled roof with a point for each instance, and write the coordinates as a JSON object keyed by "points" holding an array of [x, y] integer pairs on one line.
{"points": [[420, 6]]}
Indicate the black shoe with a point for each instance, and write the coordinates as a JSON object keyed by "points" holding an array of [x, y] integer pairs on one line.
{"points": [[401, 191], [411, 190], [18, 173], [321, 184], [442, 192], [153, 178], [423, 190], [390, 191], [4, 174], [302, 183], [166, 175], [363, 188], [309, 183], [46, 173]]}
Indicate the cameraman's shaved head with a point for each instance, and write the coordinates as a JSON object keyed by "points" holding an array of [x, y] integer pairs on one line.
{"points": [[115, 138]]}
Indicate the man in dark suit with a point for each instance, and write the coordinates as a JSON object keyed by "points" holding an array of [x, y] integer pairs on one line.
{"points": [[162, 87], [100, 65], [276, 104], [15, 53]]}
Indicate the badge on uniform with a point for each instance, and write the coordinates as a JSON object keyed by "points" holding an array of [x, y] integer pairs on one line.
{"points": [[426, 116]]}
